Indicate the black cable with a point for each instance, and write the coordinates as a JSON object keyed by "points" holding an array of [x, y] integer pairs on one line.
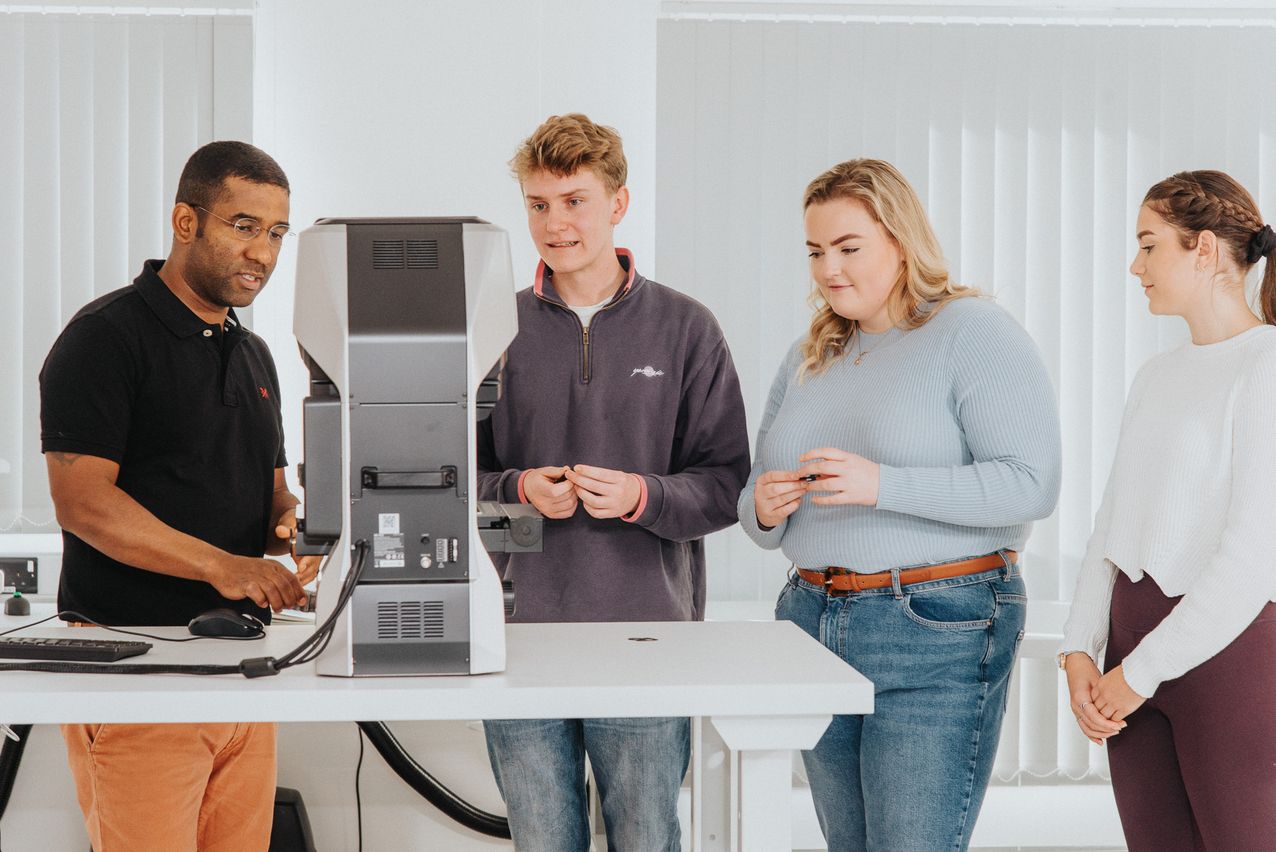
{"points": [[72, 615], [68, 667], [305, 652], [358, 799], [29, 624], [10, 759], [310, 648], [434, 792]]}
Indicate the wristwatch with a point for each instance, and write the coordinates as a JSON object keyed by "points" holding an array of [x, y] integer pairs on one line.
{"points": [[1063, 656]]}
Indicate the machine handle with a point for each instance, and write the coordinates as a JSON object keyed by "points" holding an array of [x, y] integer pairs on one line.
{"points": [[444, 477]]}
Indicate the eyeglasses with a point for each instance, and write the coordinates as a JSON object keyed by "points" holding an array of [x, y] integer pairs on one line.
{"points": [[248, 228]]}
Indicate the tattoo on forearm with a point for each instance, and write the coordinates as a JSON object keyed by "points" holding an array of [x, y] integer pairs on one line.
{"points": [[66, 459]]}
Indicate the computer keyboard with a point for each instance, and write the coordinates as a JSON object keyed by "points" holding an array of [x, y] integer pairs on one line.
{"points": [[75, 650]]}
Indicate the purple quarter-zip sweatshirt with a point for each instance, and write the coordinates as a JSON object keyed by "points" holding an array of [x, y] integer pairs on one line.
{"points": [[649, 388]]}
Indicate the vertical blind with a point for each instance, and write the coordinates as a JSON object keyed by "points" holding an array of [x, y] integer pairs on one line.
{"points": [[99, 113], [1031, 147]]}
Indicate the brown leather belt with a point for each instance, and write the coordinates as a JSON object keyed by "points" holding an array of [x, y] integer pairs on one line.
{"points": [[839, 581]]}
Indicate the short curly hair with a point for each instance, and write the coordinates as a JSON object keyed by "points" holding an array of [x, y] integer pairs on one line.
{"points": [[204, 177], [564, 144]]}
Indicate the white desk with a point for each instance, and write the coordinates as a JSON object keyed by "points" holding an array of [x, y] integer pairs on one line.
{"points": [[767, 688]]}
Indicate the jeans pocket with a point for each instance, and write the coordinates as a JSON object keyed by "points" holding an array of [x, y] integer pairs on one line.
{"points": [[784, 596], [94, 735], [1014, 656], [969, 607]]}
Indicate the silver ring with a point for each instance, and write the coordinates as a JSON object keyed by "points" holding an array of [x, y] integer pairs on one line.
{"points": [[1084, 706]]}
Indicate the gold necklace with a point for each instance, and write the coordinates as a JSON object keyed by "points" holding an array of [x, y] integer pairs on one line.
{"points": [[861, 351]]}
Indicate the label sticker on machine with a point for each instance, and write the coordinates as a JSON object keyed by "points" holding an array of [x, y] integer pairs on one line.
{"points": [[387, 550], [388, 523]]}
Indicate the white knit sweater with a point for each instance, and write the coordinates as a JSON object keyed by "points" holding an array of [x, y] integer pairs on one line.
{"points": [[1191, 501]]}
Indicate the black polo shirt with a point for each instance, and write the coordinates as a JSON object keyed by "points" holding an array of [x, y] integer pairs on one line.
{"points": [[190, 412]]}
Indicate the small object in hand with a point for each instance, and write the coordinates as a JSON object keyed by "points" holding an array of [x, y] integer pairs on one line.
{"points": [[810, 477]]}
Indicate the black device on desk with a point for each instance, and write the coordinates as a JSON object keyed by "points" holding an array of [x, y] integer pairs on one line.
{"points": [[76, 650], [225, 621], [17, 605]]}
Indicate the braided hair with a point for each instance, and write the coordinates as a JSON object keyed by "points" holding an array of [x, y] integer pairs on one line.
{"points": [[1209, 200]]}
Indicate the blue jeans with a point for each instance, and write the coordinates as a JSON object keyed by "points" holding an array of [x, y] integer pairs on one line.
{"points": [[911, 776], [638, 766]]}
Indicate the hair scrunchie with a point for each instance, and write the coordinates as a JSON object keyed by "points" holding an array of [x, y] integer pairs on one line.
{"points": [[1261, 244]]}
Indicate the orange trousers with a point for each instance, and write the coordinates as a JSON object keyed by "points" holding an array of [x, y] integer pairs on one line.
{"points": [[175, 788]]}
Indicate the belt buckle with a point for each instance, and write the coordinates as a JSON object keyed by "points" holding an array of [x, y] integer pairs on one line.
{"points": [[829, 574]]}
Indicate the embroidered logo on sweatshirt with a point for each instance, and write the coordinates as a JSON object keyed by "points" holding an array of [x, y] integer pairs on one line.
{"points": [[648, 371]]}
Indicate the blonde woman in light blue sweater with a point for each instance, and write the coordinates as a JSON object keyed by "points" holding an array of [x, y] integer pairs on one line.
{"points": [[909, 440]]}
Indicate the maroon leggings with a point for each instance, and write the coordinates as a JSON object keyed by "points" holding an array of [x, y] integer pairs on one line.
{"points": [[1196, 768]]}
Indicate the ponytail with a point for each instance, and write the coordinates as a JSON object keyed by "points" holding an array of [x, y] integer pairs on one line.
{"points": [[1263, 245], [1267, 293]]}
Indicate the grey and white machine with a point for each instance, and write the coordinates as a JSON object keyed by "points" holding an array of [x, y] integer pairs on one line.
{"points": [[402, 324]]}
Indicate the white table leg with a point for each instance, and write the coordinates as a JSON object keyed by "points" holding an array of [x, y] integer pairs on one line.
{"points": [[763, 747], [766, 791], [713, 804]]}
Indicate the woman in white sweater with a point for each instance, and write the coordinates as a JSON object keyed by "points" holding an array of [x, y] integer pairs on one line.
{"points": [[1179, 575]]}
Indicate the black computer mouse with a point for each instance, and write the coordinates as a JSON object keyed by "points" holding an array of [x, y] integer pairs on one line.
{"points": [[224, 621]]}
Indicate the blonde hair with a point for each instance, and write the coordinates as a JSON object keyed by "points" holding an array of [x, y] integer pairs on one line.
{"points": [[892, 201], [566, 143]]}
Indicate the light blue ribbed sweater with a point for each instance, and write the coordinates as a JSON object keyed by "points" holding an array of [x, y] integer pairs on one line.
{"points": [[961, 416]]}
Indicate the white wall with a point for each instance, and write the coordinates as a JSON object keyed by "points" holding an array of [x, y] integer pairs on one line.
{"points": [[412, 108]]}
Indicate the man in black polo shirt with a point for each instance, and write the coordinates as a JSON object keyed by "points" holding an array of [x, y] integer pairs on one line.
{"points": [[161, 428]]}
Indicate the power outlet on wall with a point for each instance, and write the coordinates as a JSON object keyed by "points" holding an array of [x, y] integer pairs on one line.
{"points": [[19, 573]]}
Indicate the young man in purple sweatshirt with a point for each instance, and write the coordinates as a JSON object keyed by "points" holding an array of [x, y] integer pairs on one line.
{"points": [[621, 420]]}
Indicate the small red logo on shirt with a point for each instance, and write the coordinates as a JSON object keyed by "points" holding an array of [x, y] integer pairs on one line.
{"points": [[264, 393]]}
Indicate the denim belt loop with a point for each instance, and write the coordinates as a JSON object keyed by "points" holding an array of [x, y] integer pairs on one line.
{"points": [[895, 586], [1011, 568]]}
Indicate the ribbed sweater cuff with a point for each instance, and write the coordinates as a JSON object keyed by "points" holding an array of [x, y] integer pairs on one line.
{"points": [[1084, 632], [766, 539], [641, 506], [518, 490], [651, 504], [1080, 643], [1141, 672], [892, 490]]}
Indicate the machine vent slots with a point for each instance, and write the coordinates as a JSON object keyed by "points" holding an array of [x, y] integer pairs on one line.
{"points": [[410, 620], [423, 254], [388, 254], [405, 254]]}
